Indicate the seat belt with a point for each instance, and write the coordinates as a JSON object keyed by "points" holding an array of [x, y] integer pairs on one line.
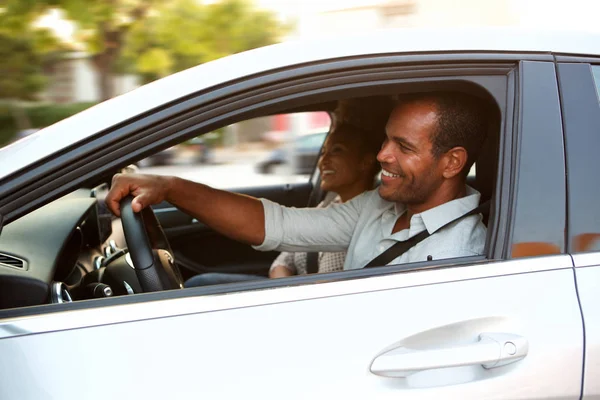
{"points": [[312, 258], [312, 262], [402, 247]]}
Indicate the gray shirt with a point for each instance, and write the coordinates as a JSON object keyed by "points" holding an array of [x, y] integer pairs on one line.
{"points": [[296, 262], [363, 226]]}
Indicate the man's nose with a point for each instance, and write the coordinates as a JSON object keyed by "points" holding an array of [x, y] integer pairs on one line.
{"points": [[384, 155]]}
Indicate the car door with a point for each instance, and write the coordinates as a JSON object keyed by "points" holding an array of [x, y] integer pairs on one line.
{"points": [[507, 327], [580, 85]]}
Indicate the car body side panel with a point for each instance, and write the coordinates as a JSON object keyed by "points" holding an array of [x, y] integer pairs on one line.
{"points": [[318, 347], [588, 287]]}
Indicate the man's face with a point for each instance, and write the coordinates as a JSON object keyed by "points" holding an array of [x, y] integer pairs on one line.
{"points": [[410, 172]]}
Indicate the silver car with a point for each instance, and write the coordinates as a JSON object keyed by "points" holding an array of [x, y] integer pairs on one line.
{"points": [[521, 322]]}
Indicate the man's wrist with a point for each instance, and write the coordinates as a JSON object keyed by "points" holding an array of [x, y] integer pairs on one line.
{"points": [[170, 184]]}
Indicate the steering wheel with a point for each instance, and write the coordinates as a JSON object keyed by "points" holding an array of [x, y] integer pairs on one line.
{"points": [[149, 249]]}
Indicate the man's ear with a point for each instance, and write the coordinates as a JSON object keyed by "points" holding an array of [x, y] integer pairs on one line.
{"points": [[455, 160]]}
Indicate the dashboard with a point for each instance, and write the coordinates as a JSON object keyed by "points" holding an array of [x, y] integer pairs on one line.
{"points": [[70, 249]]}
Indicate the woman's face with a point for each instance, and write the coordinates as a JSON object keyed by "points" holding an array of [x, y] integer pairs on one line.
{"points": [[342, 164]]}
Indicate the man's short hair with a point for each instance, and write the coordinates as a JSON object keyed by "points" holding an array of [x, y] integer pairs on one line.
{"points": [[463, 120]]}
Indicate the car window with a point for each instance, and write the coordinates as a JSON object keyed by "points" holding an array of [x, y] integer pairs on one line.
{"points": [[252, 153], [596, 72], [312, 141]]}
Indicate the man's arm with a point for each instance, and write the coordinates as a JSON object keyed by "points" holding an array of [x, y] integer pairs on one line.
{"points": [[311, 229], [261, 223], [236, 216]]}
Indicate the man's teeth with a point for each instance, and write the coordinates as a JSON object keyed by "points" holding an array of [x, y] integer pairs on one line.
{"points": [[389, 174], [328, 172]]}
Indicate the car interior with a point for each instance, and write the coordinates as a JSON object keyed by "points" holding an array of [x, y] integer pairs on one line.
{"points": [[86, 257]]}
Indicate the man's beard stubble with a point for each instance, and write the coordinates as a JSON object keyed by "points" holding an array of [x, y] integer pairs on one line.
{"points": [[416, 192]]}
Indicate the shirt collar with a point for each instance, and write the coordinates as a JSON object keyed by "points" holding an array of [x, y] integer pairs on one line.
{"points": [[436, 217]]}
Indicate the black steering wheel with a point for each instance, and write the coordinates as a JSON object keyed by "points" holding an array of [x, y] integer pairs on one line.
{"points": [[149, 249]]}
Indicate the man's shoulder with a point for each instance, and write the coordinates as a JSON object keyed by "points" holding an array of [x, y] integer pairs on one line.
{"points": [[462, 238], [468, 232]]}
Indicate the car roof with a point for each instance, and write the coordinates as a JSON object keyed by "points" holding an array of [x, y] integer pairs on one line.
{"points": [[103, 116]]}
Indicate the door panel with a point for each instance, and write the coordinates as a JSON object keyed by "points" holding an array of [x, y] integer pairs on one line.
{"points": [[318, 341], [200, 249], [588, 285]]}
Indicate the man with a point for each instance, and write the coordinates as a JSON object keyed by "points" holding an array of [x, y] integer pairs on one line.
{"points": [[432, 141]]}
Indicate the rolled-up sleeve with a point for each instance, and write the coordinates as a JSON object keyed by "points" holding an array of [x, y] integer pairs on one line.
{"points": [[310, 229]]}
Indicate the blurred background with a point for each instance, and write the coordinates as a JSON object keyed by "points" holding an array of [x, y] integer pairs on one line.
{"points": [[58, 57]]}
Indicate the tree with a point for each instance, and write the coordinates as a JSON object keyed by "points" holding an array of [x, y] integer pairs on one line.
{"points": [[20, 75], [23, 50], [185, 33], [102, 25], [169, 35]]}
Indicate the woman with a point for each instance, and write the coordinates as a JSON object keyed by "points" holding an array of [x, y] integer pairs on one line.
{"points": [[348, 167]]}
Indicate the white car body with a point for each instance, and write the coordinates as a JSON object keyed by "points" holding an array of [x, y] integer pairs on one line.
{"points": [[506, 327]]}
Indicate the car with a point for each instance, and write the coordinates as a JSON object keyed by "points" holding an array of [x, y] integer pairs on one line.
{"points": [[202, 151], [160, 158], [197, 150], [305, 151], [82, 317]]}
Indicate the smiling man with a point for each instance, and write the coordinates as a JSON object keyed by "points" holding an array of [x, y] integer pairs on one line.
{"points": [[432, 141]]}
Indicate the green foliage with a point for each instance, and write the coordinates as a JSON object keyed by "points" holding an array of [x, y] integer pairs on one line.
{"points": [[40, 117], [24, 50], [96, 18], [152, 38], [155, 61], [189, 33], [21, 68]]}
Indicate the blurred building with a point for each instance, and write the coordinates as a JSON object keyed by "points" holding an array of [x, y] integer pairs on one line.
{"points": [[363, 18], [73, 79], [370, 15]]}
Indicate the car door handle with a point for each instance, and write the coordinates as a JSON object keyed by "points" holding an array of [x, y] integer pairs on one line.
{"points": [[490, 351]]}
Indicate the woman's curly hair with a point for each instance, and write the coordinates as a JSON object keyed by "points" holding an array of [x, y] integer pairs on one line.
{"points": [[365, 118]]}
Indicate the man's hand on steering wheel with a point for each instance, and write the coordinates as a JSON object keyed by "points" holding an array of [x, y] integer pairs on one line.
{"points": [[146, 190], [130, 197]]}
